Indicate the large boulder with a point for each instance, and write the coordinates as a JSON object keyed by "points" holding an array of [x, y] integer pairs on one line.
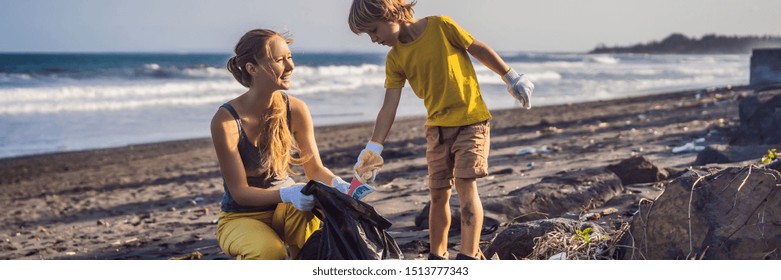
{"points": [[517, 240], [718, 153], [759, 122], [568, 191], [638, 170], [733, 213]]}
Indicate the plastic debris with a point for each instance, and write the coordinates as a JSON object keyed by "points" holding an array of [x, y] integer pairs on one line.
{"points": [[525, 151], [545, 149], [542, 150], [590, 216], [558, 257], [688, 147]]}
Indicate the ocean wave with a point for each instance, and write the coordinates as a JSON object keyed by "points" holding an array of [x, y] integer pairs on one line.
{"points": [[113, 97], [202, 84], [339, 70], [346, 84], [106, 105], [603, 59]]}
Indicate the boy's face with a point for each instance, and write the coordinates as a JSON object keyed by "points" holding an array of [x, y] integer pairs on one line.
{"points": [[384, 33]]}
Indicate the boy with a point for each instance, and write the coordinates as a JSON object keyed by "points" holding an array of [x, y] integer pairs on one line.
{"points": [[431, 53]]}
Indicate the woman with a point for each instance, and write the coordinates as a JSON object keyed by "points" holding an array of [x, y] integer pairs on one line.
{"points": [[263, 212]]}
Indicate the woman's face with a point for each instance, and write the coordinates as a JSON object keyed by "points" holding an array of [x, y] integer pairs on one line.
{"points": [[276, 68]]}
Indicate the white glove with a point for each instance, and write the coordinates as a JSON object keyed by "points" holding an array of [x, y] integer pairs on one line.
{"points": [[356, 189], [369, 162], [519, 87], [340, 185], [300, 201]]}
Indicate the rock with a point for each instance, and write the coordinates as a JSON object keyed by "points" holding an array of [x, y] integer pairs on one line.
{"points": [[718, 153], [759, 122], [638, 170], [609, 211], [503, 171], [555, 196], [517, 240], [735, 214], [133, 220]]}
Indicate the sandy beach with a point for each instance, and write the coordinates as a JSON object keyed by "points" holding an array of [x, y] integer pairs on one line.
{"points": [[161, 200]]}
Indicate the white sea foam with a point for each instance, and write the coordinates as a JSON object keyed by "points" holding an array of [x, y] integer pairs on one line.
{"points": [[207, 72], [152, 66], [112, 97], [339, 70], [85, 105], [603, 59]]}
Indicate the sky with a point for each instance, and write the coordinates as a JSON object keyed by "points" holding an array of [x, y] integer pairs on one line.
{"points": [[321, 25]]}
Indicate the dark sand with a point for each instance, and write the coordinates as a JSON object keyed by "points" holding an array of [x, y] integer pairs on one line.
{"points": [[161, 200]]}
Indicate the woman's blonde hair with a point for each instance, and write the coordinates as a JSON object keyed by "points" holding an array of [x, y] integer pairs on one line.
{"points": [[365, 12], [277, 145]]}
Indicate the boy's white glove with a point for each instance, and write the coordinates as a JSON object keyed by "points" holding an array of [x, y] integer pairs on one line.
{"points": [[340, 184], [520, 87], [369, 162], [300, 201]]}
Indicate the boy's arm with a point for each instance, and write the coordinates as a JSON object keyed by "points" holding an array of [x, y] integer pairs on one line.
{"points": [[369, 161], [387, 115], [518, 85], [488, 57]]}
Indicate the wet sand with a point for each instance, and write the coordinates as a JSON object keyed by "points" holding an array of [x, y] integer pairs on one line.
{"points": [[161, 200]]}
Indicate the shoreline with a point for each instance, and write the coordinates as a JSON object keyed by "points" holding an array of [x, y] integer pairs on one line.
{"points": [[639, 94], [161, 200], [13, 165]]}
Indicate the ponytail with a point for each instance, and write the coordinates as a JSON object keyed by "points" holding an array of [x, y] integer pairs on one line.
{"points": [[239, 73]]}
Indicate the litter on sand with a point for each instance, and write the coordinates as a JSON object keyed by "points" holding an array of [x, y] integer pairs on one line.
{"points": [[690, 147]]}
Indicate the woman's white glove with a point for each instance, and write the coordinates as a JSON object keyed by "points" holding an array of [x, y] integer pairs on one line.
{"points": [[369, 162], [520, 87], [300, 201], [356, 189], [340, 185]]}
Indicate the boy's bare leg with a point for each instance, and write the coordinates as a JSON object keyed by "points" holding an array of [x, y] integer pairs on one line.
{"points": [[439, 220], [471, 216]]}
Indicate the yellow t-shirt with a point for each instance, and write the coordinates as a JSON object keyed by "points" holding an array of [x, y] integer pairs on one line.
{"points": [[440, 72]]}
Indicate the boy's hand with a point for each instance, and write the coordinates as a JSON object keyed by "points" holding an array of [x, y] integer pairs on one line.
{"points": [[369, 162], [519, 87]]}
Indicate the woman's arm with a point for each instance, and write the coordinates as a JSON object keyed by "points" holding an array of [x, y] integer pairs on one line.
{"points": [[488, 57], [303, 131], [225, 136]]}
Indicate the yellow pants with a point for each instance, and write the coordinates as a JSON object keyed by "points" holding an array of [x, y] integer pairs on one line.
{"points": [[264, 235]]}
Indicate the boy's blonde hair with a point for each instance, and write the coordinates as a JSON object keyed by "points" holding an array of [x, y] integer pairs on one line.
{"points": [[365, 12]]}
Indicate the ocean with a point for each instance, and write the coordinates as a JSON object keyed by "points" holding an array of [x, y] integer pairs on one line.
{"points": [[70, 102]]}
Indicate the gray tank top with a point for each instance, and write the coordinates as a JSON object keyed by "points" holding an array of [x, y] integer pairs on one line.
{"points": [[250, 157]]}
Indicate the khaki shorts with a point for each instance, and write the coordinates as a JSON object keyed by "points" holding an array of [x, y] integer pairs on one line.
{"points": [[457, 152]]}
